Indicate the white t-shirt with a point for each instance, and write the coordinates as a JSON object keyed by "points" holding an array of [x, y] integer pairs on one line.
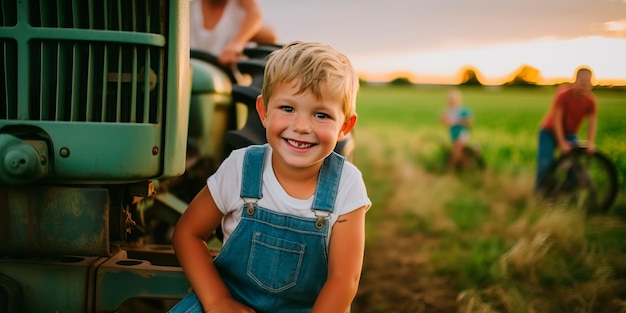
{"points": [[225, 187], [214, 40]]}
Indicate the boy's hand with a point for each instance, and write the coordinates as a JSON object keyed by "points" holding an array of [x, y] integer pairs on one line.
{"points": [[228, 305]]}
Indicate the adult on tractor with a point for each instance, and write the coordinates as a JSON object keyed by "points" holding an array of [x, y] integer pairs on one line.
{"points": [[573, 103], [225, 27]]}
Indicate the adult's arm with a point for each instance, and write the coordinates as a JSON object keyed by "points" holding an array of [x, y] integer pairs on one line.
{"points": [[248, 28], [564, 146], [591, 133]]}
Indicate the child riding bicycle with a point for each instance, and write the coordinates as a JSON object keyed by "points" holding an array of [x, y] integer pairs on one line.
{"points": [[458, 118]]}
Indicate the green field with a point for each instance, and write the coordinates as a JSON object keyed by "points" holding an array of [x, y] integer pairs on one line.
{"points": [[506, 121], [500, 248]]}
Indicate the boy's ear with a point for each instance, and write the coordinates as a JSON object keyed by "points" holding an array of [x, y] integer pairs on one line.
{"points": [[261, 110], [346, 128]]}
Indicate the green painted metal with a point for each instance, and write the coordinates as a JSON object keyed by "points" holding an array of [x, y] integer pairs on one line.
{"points": [[211, 89], [10, 295], [101, 91], [97, 152], [57, 284], [171, 202], [74, 284], [26, 32], [208, 79], [120, 278], [22, 161], [178, 95], [117, 97]]}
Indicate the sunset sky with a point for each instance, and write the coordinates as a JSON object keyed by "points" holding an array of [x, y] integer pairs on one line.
{"points": [[431, 41]]}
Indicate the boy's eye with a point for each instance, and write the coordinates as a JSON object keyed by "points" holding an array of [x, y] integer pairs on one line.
{"points": [[286, 108], [321, 115]]}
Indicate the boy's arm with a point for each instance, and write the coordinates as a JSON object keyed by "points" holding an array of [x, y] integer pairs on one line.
{"points": [[345, 261], [190, 235], [444, 119]]}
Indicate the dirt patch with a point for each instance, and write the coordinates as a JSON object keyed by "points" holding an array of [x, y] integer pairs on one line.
{"points": [[395, 277]]}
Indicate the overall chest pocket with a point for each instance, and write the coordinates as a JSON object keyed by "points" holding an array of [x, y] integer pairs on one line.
{"points": [[274, 263]]}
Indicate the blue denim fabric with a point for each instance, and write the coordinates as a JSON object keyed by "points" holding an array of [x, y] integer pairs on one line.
{"points": [[253, 171], [274, 262], [545, 152], [328, 183]]}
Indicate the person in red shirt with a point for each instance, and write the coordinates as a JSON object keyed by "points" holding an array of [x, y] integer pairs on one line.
{"points": [[573, 103]]}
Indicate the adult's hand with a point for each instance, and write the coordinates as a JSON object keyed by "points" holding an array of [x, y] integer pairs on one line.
{"points": [[231, 54], [591, 147], [565, 147]]}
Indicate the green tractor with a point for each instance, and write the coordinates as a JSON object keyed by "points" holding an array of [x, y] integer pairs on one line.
{"points": [[108, 127], [94, 112]]}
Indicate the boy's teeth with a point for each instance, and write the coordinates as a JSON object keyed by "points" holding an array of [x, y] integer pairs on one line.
{"points": [[298, 144]]}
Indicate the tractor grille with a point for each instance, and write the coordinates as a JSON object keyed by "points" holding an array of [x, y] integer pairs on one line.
{"points": [[83, 60]]}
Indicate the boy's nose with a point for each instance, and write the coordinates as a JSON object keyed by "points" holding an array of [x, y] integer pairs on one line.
{"points": [[301, 124]]}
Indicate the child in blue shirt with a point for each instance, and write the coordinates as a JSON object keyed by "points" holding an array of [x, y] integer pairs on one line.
{"points": [[458, 118]]}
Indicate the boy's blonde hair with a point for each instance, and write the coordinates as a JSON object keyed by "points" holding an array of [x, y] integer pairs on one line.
{"points": [[312, 64]]}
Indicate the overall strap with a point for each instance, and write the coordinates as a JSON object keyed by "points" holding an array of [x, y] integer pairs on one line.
{"points": [[328, 183], [325, 191], [252, 176]]}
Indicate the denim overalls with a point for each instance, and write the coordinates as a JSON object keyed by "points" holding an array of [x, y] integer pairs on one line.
{"points": [[274, 262]]}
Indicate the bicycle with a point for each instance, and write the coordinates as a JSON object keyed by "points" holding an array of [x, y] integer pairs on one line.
{"points": [[472, 159], [436, 156], [581, 179]]}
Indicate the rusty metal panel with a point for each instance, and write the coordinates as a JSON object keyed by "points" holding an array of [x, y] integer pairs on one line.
{"points": [[41, 220]]}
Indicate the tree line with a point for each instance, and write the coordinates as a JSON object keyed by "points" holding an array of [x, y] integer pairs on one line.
{"points": [[524, 76]]}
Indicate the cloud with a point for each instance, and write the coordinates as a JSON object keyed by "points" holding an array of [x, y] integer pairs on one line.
{"points": [[616, 26], [356, 26], [439, 36]]}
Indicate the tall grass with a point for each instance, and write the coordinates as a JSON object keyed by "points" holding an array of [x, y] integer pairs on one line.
{"points": [[506, 250]]}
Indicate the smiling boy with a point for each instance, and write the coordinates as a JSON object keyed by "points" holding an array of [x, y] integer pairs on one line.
{"points": [[292, 211]]}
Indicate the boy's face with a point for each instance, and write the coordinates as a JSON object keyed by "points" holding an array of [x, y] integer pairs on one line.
{"points": [[301, 128], [453, 99]]}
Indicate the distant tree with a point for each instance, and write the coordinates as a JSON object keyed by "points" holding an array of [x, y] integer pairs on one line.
{"points": [[469, 77], [525, 76], [401, 81]]}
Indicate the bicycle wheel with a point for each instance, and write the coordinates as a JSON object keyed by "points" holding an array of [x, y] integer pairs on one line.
{"points": [[433, 155], [584, 180], [472, 159]]}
